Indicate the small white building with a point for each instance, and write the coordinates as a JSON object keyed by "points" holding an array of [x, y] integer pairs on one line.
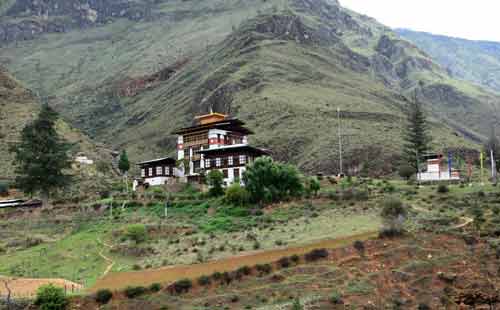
{"points": [[436, 171], [83, 159], [156, 172], [231, 160]]}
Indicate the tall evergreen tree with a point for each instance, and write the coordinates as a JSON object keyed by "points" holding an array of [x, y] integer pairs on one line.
{"points": [[123, 163], [124, 166], [41, 156], [416, 137]]}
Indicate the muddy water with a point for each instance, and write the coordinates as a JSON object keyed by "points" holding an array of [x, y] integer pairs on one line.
{"points": [[120, 280]]}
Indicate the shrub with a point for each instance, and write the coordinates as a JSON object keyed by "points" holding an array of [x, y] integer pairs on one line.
{"points": [[406, 171], [237, 195], [103, 296], [393, 215], [268, 181], [336, 298], [313, 186], [264, 268], [443, 189], [423, 306], [217, 276], [316, 254], [4, 189], [215, 180], [284, 262], [204, 280], [297, 305], [360, 247], [182, 286], [134, 291], [155, 287], [245, 270], [295, 259], [137, 232], [49, 297]]}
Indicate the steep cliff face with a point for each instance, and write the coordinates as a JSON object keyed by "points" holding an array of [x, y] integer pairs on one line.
{"points": [[28, 19], [284, 66]]}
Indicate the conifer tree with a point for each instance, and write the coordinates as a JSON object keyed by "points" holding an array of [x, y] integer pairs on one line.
{"points": [[416, 137], [124, 166], [41, 156]]}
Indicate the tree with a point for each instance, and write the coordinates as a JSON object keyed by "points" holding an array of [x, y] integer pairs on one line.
{"points": [[268, 181], [41, 156], [406, 171], [137, 232], [313, 186], [49, 297], [416, 137], [215, 180], [393, 215], [297, 305], [124, 166]]}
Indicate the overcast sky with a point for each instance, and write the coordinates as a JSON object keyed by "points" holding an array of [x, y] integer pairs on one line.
{"points": [[475, 20]]}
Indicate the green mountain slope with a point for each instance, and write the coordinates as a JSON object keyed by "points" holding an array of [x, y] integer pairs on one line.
{"points": [[18, 106], [284, 66], [474, 61]]}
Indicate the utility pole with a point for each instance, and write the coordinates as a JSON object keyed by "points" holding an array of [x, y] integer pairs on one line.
{"points": [[340, 142], [493, 166]]}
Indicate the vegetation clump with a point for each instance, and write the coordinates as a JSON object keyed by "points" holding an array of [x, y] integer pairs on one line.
{"points": [[237, 195], [103, 296], [316, 255], [215, 180], [4, 189], [204, 280], [155, 287], [393, 215], [49, 297], [443, 189], [135, 291], [406, 171], [182, 286], [268, 181], [137, 232]]}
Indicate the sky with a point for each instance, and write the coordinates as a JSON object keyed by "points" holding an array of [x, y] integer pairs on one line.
{"points": [[474, 20]]}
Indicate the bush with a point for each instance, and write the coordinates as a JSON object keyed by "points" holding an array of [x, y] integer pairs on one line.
{"points": [[336, 298], [393, 215], [204, 280], [49, 297], [103, 296], [4, 189], [316, 254], [313, 186], [237, 195], [244, 271], [360, 247], [182, 286], [264, 269], [297, 305], [137, 232], [135, 291], [268, 181], [442, 189], [215, 180], [155, 287], [284, 262], [295, 259], [406, 171]]}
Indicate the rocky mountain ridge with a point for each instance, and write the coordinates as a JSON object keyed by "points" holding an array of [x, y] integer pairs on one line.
{"points": [[284, 66]]}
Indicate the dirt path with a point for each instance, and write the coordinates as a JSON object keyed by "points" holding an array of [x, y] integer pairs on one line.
{"points": [[24, 287], [116, 281], [111, 263], [467, 220]]}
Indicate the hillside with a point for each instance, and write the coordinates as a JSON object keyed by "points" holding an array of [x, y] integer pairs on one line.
{"points": [[474, 61], [18, 106], [284, 66]]}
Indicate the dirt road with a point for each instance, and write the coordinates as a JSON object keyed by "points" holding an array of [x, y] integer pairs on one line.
{"points": [[24, 287], [116, 281]]}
